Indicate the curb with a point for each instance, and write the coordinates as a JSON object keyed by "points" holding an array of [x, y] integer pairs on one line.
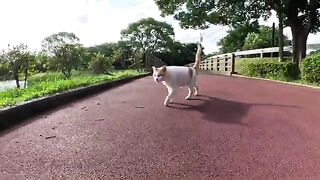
{"points": [[12, 115], [283, 82]]}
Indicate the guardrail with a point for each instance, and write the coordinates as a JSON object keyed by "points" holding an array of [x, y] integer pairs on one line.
{"points": [[220, 64]]}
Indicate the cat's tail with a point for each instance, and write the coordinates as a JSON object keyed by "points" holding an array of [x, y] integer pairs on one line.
{"points": [[196, 65]]}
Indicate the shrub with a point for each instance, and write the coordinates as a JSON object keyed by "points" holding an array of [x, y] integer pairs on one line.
{"points": [[273, 70], [310, 69]]}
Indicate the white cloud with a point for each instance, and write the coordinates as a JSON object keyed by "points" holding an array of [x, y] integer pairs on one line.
{"points": [[93, 21]]}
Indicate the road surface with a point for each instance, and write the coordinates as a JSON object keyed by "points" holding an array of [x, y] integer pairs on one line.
{"points": [[238, 128]]}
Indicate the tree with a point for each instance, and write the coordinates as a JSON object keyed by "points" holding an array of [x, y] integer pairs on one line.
{"points": [[18, 57], [42, 60], [54, 42], [178, 53], [106, 49], [262, 39], [148, 34], [302, 15], [99, 64], [4, 67], [66, 51], [235, 39], [67, 58], [202, 13]]}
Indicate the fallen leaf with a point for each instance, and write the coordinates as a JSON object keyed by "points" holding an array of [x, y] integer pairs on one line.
{"points": [[139, 106], [49, 137]]}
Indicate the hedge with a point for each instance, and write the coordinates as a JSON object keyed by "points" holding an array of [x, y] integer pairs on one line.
{"points": [[310, 69], [267, 68]]}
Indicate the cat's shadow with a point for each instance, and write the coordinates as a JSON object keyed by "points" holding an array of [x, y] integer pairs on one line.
{"points": [[221, 110]]}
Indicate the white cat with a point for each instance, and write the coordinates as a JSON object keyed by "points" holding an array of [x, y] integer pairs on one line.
{"points": [[174, 77]]}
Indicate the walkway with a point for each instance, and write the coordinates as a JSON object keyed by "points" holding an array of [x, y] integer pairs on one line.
{"points": [[242, 128]]}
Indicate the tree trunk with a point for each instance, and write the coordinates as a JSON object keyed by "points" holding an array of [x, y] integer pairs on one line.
{"points": [[16, 77], [299, 38], [281, 43], [25, 77]]}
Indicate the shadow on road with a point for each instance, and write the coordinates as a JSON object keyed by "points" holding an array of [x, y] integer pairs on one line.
{"points": [[221, 110]]}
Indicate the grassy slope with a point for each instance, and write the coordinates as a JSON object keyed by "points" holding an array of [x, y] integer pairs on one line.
{"points": [[50, 83]]}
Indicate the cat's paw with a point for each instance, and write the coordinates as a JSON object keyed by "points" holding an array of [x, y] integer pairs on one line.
{"points": [[187, 98], [166, 103]]}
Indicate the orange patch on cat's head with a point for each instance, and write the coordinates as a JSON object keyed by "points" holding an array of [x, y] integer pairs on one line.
{"points": [[159, 73]]}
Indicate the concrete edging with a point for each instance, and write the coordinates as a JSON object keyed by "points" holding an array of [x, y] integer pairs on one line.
{"points": [[283, 82], [11, 115]]}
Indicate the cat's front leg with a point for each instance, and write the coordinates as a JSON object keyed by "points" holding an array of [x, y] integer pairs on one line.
{"points": [[196, 90], [189, 93], [171, 93]]}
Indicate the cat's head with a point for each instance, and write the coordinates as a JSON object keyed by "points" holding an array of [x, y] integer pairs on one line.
{"points": [[159, 74]]}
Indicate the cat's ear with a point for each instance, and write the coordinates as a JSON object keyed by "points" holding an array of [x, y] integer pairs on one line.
{"points": [[164, 68]]}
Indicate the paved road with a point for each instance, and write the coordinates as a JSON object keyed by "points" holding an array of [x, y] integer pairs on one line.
{"points": [[247, 129]]}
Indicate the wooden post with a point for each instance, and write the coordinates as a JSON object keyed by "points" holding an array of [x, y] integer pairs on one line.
{"points": [[218, 64], [233, 62]]}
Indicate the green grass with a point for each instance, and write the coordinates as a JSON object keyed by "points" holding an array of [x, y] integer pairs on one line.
{"points": [[43, 84], [241, 67]]}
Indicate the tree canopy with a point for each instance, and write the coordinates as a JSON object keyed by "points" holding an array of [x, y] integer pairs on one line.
{"points": [[235, 39], [148, 34], [301, 15], [52, 43], [262, 39]]}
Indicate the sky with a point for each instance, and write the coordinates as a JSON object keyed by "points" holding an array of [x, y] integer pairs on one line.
{"points": [[94, 22]]}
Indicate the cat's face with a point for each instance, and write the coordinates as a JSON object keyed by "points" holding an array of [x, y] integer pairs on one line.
{"points": [[159, 73]]}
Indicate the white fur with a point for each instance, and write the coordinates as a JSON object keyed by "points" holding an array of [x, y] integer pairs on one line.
{"points": [[178, 76]]}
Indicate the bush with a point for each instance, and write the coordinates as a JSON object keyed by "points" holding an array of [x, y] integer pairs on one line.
{"points": [[310, 69], [273, 70], [98, 66]]}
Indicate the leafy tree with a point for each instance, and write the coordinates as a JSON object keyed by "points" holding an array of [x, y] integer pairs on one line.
{"points": [[235, 39], [122, 53], [54, 42], [148, 34], [302, 15], [4, 66], [67, 58], [262, 39], [202, 13], [66, 51], [106, 49], [19, 59], [42, 60], [99, 63], [178, 53]]}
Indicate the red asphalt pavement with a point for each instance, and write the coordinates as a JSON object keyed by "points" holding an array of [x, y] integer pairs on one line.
{"points": [[238, 128]]}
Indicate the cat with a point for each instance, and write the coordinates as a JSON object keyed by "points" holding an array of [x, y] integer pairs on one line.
{"points": [[174, 77]]}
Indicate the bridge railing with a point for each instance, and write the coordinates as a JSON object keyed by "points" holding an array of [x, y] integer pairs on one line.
{"points": [[220, 64]]}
